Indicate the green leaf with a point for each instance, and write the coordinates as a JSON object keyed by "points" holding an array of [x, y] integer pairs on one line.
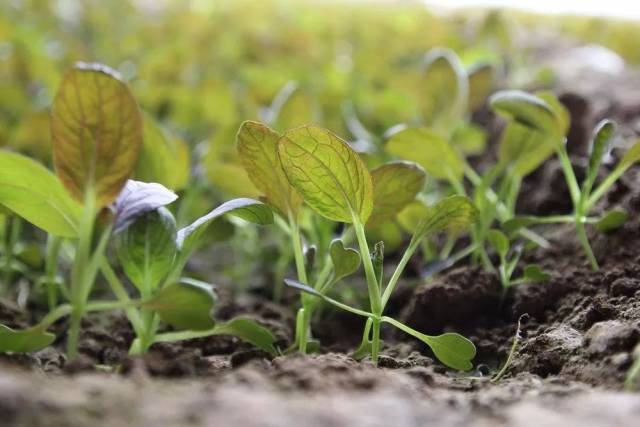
{"points": [[395, 185], [469, 138], [526, 109], [410, 216], [430, 150], [518, 222], [499, 241], [164, 159], [601, 140], [97, 132], [453, 214], [37, 195], [250, 331], [147, 248], [24, 341], [631, 156], [346, 261], [481, 84], [524, 148], [246, 209], [533, 273], [453, 350], [445, 89], [184, 305], [258, 150], [327, 173], [612, 220], [291, 107]]}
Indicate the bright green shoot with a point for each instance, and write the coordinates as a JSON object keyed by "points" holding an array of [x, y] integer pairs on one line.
{"points": [[540, 114], [334, 182]]}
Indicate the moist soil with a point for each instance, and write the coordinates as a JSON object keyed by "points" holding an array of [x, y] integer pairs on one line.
{"points": [[577, 334]]}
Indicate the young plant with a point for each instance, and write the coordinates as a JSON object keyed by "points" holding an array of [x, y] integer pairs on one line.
{"points": [[335, 183], [96, 129], [509, 258], [541, 115]]}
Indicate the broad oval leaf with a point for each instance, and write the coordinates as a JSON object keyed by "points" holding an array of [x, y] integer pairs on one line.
{"points": [[430, 150], [445, 89], [410, 216], [327, 173], [164, 159], [602, 136], [246, 209], [258, 150], [395, 185], [185, 305], [37, 195], [453, 214], [250, 331], [526, 109], [523, 148], [481, 83], [469, 138], [24, 341], [97, 132], [138, 198], [346, 261], [452, 349], [612, 220], [147, 248]]}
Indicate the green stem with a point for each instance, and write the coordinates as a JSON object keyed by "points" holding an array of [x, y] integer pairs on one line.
{"points": [[51, 269], [584, 241], [372, 281], [633, 374], [375, 340], [297, 249], [121, 294], [393, 281], [570, 177]]}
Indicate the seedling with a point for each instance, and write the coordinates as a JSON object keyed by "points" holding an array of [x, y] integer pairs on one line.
{"points": [[333, 181], [541, 117], [509, 258], [96, 128]]}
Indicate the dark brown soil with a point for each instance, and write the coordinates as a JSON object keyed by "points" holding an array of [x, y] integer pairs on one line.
{"points": [[576, 340]]}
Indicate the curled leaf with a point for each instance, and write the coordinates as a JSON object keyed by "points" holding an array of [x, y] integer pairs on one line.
{"points": [[138, 198], [327, 173], [526, 109], [97, 132]]}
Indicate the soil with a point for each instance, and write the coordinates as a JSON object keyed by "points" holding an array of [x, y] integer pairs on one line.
{"points": [[576, 339]]}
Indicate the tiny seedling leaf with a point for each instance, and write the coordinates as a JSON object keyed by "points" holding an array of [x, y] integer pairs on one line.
{"points": [[533, 273], [37, 195], [430, 150], [258, 150], [453, 214], [526, 109], [246, 209], [631, 156], [97, 132], [185, 305], [346, 261], [377, 259], [499, 241], [138, 198], [481, 83], [612, 220], [250, 331], [327, 173], [395, 185], [147, 248], [24, 341], [602, 137]]}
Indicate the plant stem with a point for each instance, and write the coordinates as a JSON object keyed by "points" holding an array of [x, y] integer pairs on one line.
{"points": [[372, 281], [393, 281], [584, 241], [375, 339], [51, 269], [121, 294], [297, 249], [570, 177]]}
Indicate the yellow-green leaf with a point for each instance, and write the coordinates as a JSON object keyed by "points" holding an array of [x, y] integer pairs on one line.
{"points": [[97, 132], [395, 185], [453, 214], [430, 150], [164, 159], [37, 195], [184, 305], [327, 173], [528, 110], [445, 89], [258, 151], [24, 341]]}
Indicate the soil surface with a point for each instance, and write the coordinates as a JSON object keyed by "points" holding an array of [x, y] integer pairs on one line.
{"points": [[576, 338]]}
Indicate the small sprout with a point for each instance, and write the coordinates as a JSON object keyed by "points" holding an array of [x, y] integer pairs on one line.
{"points": [[612, 220], [346, 261], [24, 341]]}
